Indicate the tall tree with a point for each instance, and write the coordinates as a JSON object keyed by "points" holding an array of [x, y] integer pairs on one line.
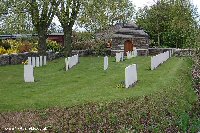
{"points": [[42, 13], [169, 23], [96, 15], [67, 15], [15, 18]]}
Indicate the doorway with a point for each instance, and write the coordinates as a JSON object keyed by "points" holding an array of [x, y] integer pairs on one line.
{"points": [[128, 46]]}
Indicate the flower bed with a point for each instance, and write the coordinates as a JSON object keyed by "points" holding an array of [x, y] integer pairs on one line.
{"points": [[196, 73]]}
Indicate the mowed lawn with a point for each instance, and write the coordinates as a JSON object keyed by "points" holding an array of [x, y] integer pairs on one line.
{"points": [[85, 82]]}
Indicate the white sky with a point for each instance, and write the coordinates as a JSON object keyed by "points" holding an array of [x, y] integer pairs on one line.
{"points": [[142, 3]]}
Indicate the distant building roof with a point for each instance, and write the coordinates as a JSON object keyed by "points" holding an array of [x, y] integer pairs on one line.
{"points": [[130, 25], [130, 29]]}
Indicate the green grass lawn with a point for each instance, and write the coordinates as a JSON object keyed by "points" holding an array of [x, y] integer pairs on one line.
{"points": [[86, 82]]}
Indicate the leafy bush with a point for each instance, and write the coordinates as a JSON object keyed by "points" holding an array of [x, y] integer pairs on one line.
{"points": [[27, 47], [5, 44], [16, 46], [53, 45], [97, 46], [2, 50], [82, 36], [100, 48], [83, 45], [11, 51]]}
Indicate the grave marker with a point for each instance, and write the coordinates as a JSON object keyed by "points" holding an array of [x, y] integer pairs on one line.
{"points": [[37, 62], [159, 59], [105, 63], [28, 73], [118, 57], [45, 60], [130, 75], [66, 64], [41, 61], [29, 61], [33, 61]]}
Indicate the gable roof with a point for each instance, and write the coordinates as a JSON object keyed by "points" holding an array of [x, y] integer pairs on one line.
{"points": [[130, 29]]}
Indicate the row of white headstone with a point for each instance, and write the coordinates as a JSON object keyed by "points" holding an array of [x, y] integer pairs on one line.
{"points": [[37, 61], [130, 71], [71, 61], [159, 59], [119, 56], [130, 75], [131, 54], [33, 62]]}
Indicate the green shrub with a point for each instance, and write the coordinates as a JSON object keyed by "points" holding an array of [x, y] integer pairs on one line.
{"points": [[99, 47], [53, 45], [83, 45]]}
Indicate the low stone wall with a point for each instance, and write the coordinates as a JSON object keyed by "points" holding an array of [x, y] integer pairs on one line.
{"points": [[14, 59], [82, 52], [184, 52], [142, 52], [155, 51], [176, 52]]}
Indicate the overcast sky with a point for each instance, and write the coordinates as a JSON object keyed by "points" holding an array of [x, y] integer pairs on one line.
{"points": [[142, 3]]}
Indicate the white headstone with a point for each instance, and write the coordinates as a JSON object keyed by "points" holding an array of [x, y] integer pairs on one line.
{"points": [[130, 75], [29, 61], [118, 57], [45, 60], [66, 64], [129, 54], [78, 58], [41, 61], [33, 61], [70, 63], [135, 53], [37, 62], [28, 73], [105, 63], [159, 59]]}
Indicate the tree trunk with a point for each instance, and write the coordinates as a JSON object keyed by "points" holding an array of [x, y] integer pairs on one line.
{"points": [[67, 41], [158, 40], [42, 47]]}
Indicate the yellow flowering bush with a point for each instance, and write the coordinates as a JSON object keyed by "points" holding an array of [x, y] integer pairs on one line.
{"points": [[16, 46], [2, 50], [11, 51], [19, 46], [25, 62], [53, 45]]}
